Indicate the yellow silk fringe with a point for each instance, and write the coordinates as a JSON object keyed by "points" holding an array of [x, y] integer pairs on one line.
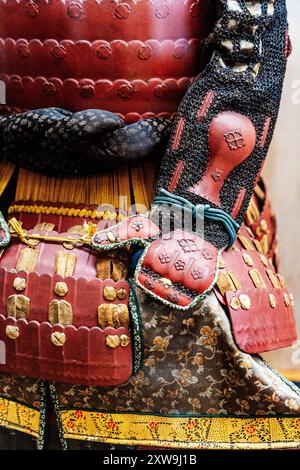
{"points": [[136, 182]]}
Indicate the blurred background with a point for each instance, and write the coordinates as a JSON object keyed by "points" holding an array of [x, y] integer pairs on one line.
{"points": [[282, 173]]}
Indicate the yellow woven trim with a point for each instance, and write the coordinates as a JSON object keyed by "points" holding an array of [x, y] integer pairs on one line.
{"points": [[65, 211], [161, 431], [19, 417]]}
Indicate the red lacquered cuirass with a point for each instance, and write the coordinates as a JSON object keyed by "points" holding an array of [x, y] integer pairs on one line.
{"points": [[133, 57]]}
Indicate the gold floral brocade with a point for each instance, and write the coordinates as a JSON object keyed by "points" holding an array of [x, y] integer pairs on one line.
{"points": [[182, 432], [19, 417]]}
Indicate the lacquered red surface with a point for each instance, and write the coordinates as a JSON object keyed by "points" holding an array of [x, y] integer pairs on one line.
{"points": [[130, 57]]}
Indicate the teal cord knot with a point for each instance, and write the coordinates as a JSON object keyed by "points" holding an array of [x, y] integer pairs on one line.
{"points": [[4, 241], [200, 210]]}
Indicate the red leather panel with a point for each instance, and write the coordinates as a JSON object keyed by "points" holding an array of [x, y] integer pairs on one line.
{"points": [[260, 306], [83, 359]]}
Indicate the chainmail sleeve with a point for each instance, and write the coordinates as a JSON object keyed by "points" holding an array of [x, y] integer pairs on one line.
{"points": [[226, 120]]}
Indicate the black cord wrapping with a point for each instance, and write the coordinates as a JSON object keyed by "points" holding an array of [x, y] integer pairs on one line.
{"points": [[59, 142]]}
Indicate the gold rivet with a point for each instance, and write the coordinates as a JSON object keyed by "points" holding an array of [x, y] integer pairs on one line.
{"points": [[19, 283], [33, 241], [58, 338], [248, 260], [61, 289], [292, 300], [12, 332], [109, 293], [235, 303], [264, 225], [245, 301], [69, 245], [122, 293], [286, 300], [110, 237], [165, 281], [124, 340], [272, 299], [264, 260], [112, 341]]}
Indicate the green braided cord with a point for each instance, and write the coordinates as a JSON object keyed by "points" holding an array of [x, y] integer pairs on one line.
{"points": [[4, 241], [199, 210]]}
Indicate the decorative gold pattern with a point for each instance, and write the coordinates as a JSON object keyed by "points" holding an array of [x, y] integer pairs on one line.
{"points": [[18, 306], [60, 311], [19, 417], [114, 315], [182, 432], [65, 263], [65, 211], [19, 283], [27, 259], [58, 338], [12, 332]]}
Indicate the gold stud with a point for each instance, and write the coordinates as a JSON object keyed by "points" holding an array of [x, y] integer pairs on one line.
{"points": [[121, 293], [292, 300], [235, 303], [248, 260], [281, 280], [264, 260], [245, 301], [112, 341], [274, 279], [58, 338], [12, 332], [273, 301], [124, 340], [19, 283], [225, 283], [109, 293], [111, 237], [257, 279], [264, 225], [259, 192], [235, 280], [246, 242], [257, 246], [165, 281], [61, 289], [69, 245], [287, 302]]}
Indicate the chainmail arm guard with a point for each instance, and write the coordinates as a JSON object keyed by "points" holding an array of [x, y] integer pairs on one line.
{"points": [[244, 82]]}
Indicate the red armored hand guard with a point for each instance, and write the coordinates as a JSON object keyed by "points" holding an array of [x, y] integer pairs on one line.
{"points": [[218, 146]]}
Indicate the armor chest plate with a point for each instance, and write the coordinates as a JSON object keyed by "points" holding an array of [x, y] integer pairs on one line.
{"points": [[133, 57]]}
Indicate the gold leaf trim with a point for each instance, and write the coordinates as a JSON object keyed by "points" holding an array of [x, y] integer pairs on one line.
{"points": [[182, 432]]}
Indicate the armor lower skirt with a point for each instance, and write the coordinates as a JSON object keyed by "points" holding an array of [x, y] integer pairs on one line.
{"points": [[193, 388]]}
